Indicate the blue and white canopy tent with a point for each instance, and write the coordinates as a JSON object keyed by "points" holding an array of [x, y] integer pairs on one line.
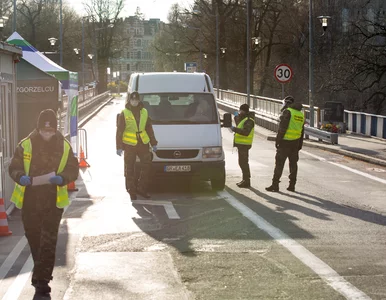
{"points": [[68, 80]]}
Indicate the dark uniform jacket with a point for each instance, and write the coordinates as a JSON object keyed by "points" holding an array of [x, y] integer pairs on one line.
{"points": [[122, 125], [46, 157], [246, 130], [285, 118]]}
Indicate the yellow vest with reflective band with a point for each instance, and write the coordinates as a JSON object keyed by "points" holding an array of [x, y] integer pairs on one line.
{"points": [[242, 139], [132, 131], [61, 191], [295, 126]]}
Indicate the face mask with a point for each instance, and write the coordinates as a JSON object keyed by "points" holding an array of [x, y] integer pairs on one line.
{"points": [[134, 103], [46, 135]]}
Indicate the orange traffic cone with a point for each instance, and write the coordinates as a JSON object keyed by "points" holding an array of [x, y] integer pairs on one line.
{"points": [[82, 160], [71, 187], [4, 230]]}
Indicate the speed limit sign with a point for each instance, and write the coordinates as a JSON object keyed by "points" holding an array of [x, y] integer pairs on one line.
{"points": [[283, 73]]}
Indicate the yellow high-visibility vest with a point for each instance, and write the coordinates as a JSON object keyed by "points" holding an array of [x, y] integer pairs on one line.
{"points": [[132, 131], [61, 191], [242, 139], [295, 126]]}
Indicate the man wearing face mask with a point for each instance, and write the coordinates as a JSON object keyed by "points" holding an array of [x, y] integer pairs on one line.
{"points": [[134, 136], [289, 141], [44, 152], [243, 139]]}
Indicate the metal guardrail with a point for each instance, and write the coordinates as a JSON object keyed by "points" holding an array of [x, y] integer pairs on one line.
{"points": [[327, 136], [268, 109]]}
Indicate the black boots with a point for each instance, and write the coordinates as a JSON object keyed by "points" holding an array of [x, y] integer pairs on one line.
{"points": [[273, 188], [291, 187], [143, 193], [41, 287], [244, 184]]}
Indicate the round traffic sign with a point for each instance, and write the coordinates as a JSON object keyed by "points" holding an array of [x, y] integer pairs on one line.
{"points": [[283, 73]]}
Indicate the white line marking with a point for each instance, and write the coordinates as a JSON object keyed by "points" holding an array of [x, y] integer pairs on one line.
{"points": [[11, 258], [324, 271], [171, 212], [15, 289], [169, 208], [346, 168]]}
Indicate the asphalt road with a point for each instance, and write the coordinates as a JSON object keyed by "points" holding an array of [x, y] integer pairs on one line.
{"points": [[326, 241]]}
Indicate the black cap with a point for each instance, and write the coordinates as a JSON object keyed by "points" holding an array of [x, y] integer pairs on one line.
{"points": [[47, 119], [134, 96], [289, 100], [244, 107]]}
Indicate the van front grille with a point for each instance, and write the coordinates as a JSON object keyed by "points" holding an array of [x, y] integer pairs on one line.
{"points": [[177, 154]]}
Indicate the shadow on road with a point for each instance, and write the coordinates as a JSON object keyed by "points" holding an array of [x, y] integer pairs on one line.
{"points": [[205, 218]]}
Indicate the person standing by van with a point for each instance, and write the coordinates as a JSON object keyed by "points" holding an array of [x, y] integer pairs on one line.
{"points": [[289, 141], [134, 134], [46, 153], [243, 139]]}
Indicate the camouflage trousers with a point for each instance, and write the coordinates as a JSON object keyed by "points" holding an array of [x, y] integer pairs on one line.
{"points": [[41, 220]]}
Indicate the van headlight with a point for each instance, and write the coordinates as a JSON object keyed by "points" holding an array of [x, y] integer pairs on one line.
{"points": [[212, 152]]}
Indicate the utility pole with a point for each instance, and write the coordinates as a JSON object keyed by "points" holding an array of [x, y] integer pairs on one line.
{"points": [[217, 55], [311, 67], [249, 10], [60, 32]]}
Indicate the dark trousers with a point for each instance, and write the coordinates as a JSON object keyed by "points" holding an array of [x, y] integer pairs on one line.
{"points": [[243, 151], [130, 154], [41, 221], [286, 150]]}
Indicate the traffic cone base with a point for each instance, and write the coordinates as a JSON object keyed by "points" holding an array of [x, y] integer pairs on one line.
{"points": [[71, 187], [82, 160], [4, 229]]}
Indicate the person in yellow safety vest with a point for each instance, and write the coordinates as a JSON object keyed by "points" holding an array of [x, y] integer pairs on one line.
{"points": [[243, 139], [289, 141], [134, 136], [45, 151]]}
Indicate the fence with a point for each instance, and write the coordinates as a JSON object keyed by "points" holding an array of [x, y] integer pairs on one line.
{"points": [[268, 110]]}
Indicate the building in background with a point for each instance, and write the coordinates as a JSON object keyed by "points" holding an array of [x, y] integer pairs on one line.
{"points": [[136, 56]]}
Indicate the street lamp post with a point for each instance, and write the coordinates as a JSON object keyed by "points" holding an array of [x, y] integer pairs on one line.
{"points": [[217, 55], [311, 67], [248, 53]]}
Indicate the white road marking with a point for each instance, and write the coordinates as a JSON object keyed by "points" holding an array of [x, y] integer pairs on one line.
{"points": [[11, 258], [18, 284], [330, 276], [346, 168], [169, 208]]}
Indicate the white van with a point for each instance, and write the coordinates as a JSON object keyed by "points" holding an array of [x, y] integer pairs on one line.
{"points": [[186, 124]]}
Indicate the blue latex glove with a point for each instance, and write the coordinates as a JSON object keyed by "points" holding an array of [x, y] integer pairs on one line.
{"points": [[25, 180], [233, 128], [119, 152], [236, 113], [58, 180], [155, 148]]}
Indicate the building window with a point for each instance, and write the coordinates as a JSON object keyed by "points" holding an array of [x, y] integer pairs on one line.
{"points": [[139, 56], [128, 67], [139, 43], [345, 19]]}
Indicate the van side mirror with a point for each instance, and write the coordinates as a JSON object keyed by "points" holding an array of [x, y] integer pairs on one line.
{"points": [[227, 121]]}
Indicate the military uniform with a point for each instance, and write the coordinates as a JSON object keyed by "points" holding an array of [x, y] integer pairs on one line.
{"points": [[41, 209], [289, 141], [243, 139], [135, 142]]}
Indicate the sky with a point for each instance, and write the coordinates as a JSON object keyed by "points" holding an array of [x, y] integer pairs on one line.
{"points": [[150, 8]]}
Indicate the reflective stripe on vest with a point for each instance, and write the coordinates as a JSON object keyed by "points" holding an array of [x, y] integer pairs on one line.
{"points": [[242, 139], [131, 130], [61, 191], [295, 126]]}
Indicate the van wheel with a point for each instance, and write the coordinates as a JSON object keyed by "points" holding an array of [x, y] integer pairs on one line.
{"points": [[218, 183]]}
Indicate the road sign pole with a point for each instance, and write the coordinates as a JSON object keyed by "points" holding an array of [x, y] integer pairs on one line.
{"points": [[282, 90]]}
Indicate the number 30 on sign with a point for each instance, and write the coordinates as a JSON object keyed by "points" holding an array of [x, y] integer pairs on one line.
{"points": [[283, 73]]}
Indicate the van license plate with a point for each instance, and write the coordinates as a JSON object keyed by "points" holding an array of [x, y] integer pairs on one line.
{"points": [[185, 168]]}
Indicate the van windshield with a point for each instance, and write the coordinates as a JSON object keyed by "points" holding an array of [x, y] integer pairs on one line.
{"points": [[171, 108]]}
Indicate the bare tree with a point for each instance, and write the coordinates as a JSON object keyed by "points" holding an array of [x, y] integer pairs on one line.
{"points": [[104, 14]]}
